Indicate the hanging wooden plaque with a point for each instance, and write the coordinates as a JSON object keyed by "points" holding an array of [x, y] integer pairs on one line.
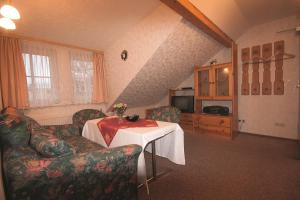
{"points": [[278, 53], [255, 85], [245, 77], [266, 54]]}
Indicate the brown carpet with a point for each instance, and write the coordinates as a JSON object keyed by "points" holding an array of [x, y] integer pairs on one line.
{"points": [[247, 168]]}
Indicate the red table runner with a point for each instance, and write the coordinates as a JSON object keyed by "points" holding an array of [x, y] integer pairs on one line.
{"points": [[109, 126]]}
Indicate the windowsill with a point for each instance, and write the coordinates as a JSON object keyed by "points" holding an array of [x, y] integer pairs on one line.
{"points": [[63, 105]]}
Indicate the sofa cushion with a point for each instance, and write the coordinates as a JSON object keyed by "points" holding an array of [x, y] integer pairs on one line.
{"points": [[48, 145], [13, 130], [81, 144]]}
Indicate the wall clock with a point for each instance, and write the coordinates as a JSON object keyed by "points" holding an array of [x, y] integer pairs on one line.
{"points": [[124, 55]]}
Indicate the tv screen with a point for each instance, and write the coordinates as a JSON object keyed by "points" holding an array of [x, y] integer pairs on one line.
{"points": [[183, 103]]}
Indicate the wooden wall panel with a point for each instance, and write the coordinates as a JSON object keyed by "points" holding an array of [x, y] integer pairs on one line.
{"points": [[267, 56], [245, 88], [255, 85], [279, 53]]}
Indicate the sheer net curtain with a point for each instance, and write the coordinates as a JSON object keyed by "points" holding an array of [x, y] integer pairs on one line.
{"points": [[41, 73], [82, 74]]}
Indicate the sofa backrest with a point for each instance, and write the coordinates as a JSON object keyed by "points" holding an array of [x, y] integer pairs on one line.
{"points": [[165, 113], [80, 117], [15, 127]]}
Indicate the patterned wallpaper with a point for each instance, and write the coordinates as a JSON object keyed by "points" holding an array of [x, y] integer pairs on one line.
{"points": [[170, 65], [141, 43]]}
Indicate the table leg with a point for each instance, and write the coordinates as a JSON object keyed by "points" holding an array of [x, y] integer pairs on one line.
{"points": [[153, 159]]}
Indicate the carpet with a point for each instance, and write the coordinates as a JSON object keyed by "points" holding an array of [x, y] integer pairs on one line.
{"points": [[249, 167]]}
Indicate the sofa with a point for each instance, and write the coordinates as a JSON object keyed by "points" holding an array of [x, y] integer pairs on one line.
{"points": [[80, 117], [55, 162], [164, 113]]}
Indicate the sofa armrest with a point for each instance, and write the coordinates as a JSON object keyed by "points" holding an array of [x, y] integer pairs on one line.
{"points": [[105, 173], [63, 130]]}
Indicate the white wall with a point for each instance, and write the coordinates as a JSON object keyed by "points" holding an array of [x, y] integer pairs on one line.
{"points": [[271, 114], [59, 114]]}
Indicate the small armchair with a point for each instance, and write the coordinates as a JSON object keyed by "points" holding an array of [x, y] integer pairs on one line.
{"points": [[80, 117], [164, 113]]}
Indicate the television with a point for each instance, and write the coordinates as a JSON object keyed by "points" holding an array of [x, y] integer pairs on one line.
{"points": [[183, 103]]}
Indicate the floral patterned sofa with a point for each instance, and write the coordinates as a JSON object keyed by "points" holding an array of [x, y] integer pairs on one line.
{"points": [[54, 162], [80, 117], [164, 113]]}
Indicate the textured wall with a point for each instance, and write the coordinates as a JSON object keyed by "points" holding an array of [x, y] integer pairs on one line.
{"points": [[141, 42], [172, 63]]}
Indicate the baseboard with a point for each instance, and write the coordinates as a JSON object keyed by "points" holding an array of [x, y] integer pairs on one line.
{"points": [[268, 136]]}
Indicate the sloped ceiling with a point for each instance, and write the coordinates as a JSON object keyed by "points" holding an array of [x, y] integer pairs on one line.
{"points": [[234, 17], [259, 12], [171, 64], [87, 23]]}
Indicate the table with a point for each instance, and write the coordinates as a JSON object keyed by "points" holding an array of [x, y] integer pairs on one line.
{"points": [[168, 137]]}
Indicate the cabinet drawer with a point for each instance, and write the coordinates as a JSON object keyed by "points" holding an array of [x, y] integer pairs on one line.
{"points": [[186, 118], [215, 129], [214, 121]]}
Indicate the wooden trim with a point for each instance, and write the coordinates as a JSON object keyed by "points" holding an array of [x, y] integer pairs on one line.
{"points": [[216, 65], [187, 10], [22, 37], [234, 61]]}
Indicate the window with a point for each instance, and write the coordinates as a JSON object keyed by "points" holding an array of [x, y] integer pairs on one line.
{"points": [[40, 74], [82, 75], [59, 75]]}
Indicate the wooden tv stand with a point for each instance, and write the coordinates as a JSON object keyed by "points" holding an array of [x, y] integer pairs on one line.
{"points": [[217, 124], [186, 121]]}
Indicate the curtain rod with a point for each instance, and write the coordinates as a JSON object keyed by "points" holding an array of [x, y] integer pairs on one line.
{"points": [[49, 42]]}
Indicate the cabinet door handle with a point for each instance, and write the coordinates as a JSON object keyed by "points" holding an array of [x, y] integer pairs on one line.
{"points": [[222, 122]]}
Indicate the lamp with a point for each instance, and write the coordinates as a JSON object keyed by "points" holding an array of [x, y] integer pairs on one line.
{"points": [[10, 12], [7, 23]]}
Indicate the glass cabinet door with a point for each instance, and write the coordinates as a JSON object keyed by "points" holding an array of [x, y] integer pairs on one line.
{"points": [[222, 87], [203, 83]]}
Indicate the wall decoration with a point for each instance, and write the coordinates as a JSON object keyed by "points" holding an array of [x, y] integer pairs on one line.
{"points": [[124, 55], [245, 77], [267, 56], [279, 53], [255, 85]]}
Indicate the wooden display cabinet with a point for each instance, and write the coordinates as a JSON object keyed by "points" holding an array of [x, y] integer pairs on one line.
{"points": [[216, 83]]}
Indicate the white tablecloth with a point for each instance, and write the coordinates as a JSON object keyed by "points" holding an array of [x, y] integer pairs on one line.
{"points": [[170, 143]]}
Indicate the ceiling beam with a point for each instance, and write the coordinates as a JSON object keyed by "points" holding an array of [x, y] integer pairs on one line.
{"points": [[188, 11]]}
